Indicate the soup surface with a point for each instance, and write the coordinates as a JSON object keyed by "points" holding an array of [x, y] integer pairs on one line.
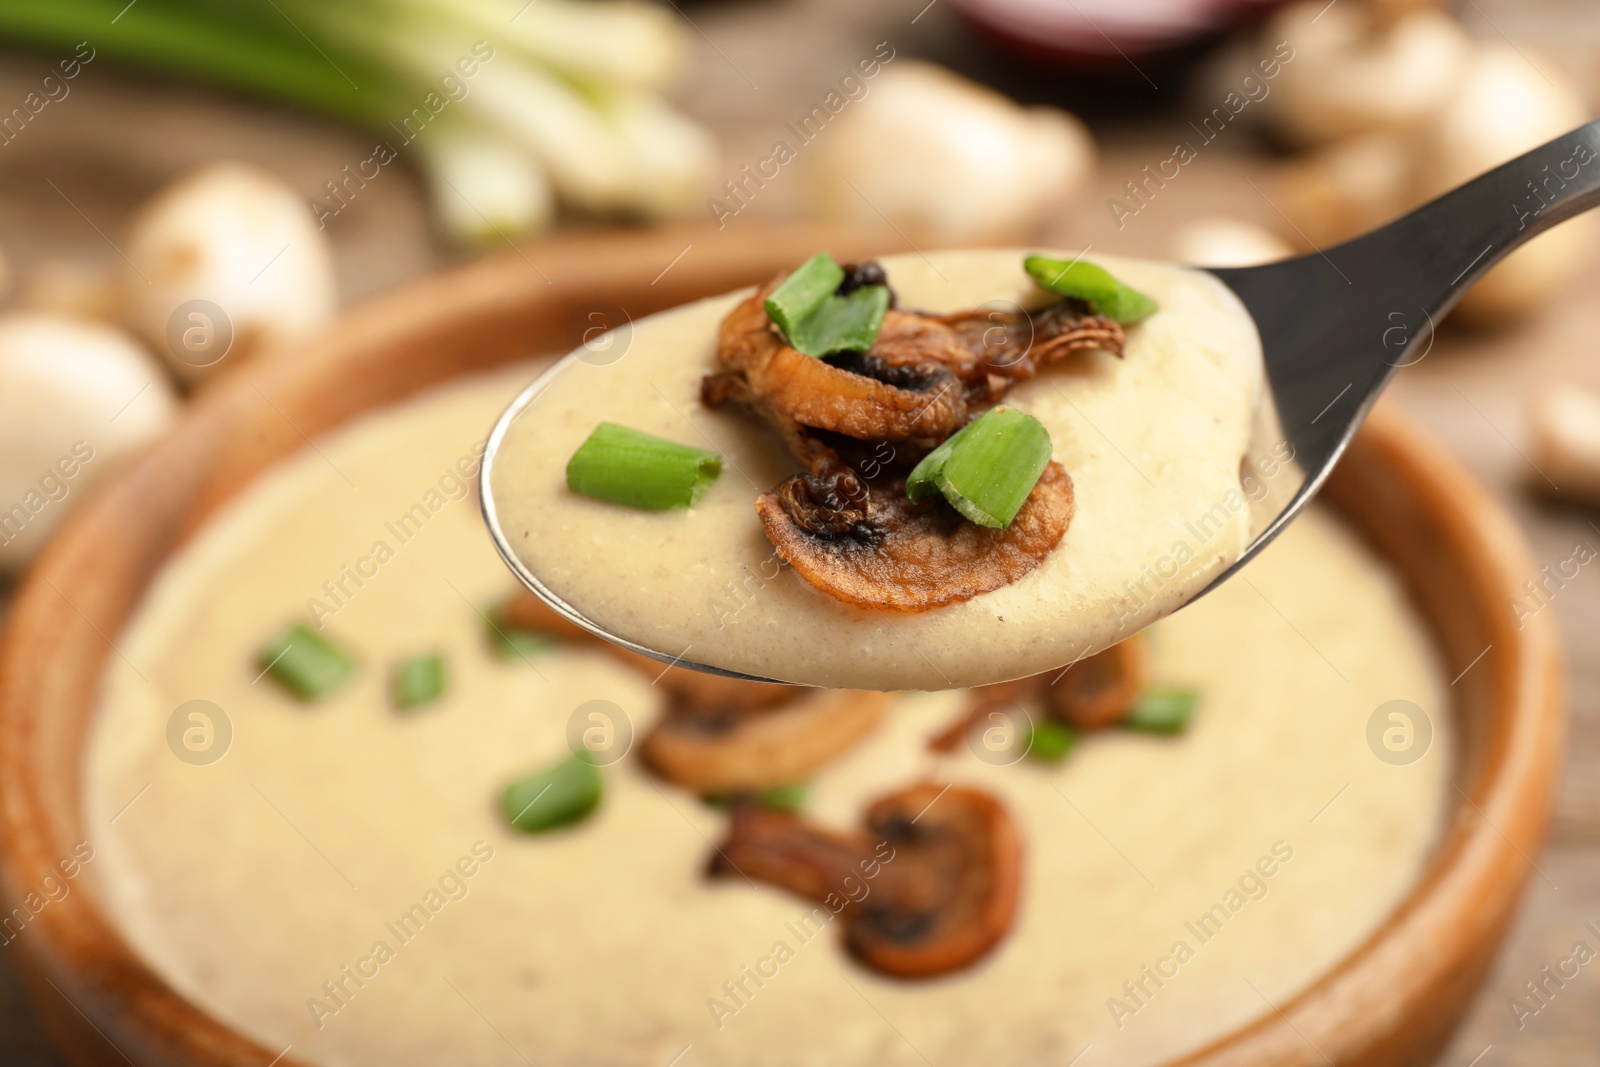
{"points": [[1153, 442], [340, 882]]}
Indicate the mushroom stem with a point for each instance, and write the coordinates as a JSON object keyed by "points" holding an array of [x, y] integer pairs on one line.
{"points": [[929, 887]]}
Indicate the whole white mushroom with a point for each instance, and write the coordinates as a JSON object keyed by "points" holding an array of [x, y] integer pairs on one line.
{"points": [[1217, 241], [943, 157], [1510, 102], [226, 261], [1357, 69], [75, 398]]}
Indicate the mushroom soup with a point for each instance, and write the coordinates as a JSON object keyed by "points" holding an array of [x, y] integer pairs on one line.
{"points": [[1131, 432], [336, 877]]}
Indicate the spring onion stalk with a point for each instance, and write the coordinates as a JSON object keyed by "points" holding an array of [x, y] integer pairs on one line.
{"points": [[563, 105], [556, 796], [1163, 710], [668, 155], [989, 467], [818, 322], [201, 44], [621, 43], [515, 642], [777, 798], [483, 188], [419, 681], [1050, 741], [625, 466], [1092, 284], [304, 661]]}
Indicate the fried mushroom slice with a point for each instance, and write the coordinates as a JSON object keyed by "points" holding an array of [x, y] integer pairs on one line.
{"points": [[929, 886], [928, 402], [910, 557], [1088, 694], [712, 750], [1099, 690]]}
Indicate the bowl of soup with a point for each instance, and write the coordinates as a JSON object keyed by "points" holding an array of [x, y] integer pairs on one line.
{"points": [[208, 870]]}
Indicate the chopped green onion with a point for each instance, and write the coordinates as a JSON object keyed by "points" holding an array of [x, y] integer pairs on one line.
{"points": [[778, 798], [556, 796], [989, 467], [1162, 710], [1087, 282], [418, 680], [306, 663], [920, 482], [806, 289], [1050, 741], [515, 642], [818, 322], [625, 466]]}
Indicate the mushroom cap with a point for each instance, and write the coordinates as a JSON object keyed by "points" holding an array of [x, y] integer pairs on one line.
{"points": [[237, 237], [75, 398], [914, 556], [764, 747], [928, 887], [1099, 690], [942, 156], [1215, 241], [1355, 70], [954, 894]]}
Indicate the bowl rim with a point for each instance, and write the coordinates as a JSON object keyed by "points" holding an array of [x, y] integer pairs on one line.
{"points": [[1395, 995]]}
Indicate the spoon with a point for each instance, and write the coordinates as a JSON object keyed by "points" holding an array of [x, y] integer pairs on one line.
{"points": [[1335, 325]]}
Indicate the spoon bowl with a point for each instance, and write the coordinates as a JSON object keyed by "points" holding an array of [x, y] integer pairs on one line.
{"points": [[1334, 327]]}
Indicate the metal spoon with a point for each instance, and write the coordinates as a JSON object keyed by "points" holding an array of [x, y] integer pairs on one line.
{"points": [[1335, 325]]}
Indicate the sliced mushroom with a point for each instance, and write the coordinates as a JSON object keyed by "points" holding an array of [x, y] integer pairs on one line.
{"points": [[1099, 690], [879, 550], [726, 748], [921, 377], [1090, 694], [929, 886], [720, 734], [816, 393]]}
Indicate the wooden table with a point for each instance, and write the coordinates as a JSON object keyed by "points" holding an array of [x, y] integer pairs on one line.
{"points": [[68, 184]]}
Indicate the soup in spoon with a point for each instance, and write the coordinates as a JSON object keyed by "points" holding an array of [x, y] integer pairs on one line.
{"points": [[925, 472]]}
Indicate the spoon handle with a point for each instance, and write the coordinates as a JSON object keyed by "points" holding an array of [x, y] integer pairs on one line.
{"points": [[1434, 254], [1337, 323]]}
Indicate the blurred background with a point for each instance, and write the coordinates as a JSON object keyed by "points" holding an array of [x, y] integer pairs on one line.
{"points": [[187, 183]]}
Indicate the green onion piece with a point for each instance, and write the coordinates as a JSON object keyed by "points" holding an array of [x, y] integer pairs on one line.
{"points": [[920, 483], [778, 798], [418, 680], [843, 323], [515, 642], [1093, 284], [805, 290], [819, 323], [557, 796], [306, 663], [624, 466], [1163, 710], [1050, 741], [990, 467]]}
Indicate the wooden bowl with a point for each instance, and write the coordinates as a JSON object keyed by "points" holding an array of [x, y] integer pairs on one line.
{"points": [[1393, 1001]]}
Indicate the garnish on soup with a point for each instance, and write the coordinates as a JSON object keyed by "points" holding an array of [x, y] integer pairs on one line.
{"points": [[971, 500], [942, 866], [625, 466]]}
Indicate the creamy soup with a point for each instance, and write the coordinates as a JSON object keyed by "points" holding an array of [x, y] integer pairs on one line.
{"points": [[341, 882], [1153, 443]]}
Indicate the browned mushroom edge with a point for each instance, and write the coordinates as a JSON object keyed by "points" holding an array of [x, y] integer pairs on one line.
{"points": [[845, 524], [1090, 694], [721, 735], [928, 886]]}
